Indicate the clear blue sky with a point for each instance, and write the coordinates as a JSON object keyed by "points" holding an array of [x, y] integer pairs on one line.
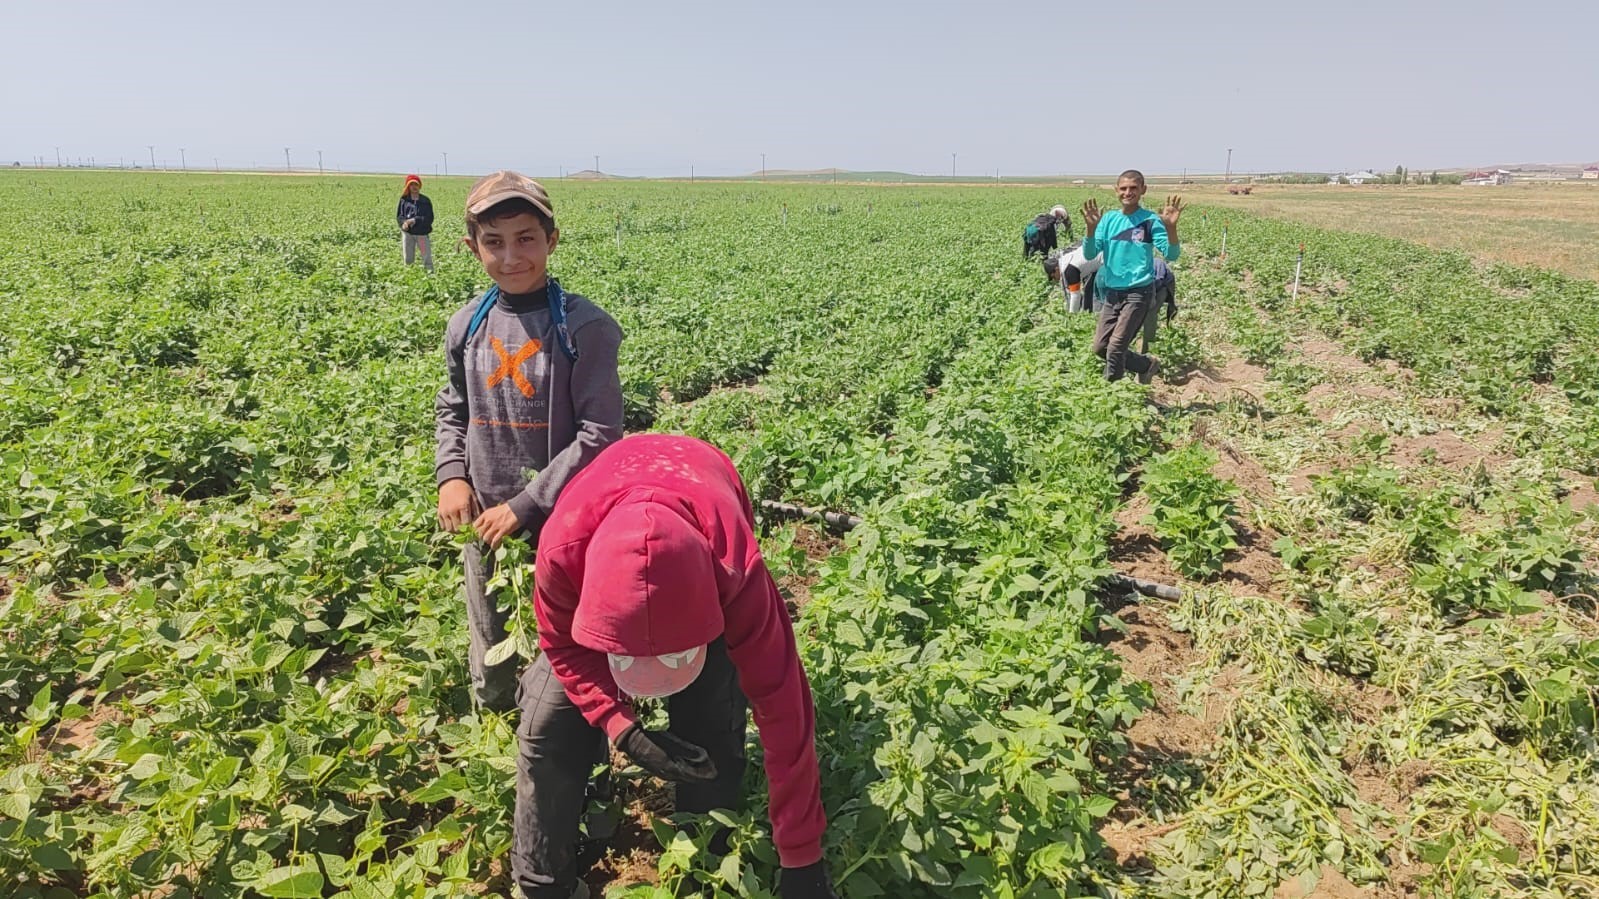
{"points": [[653, 88]]}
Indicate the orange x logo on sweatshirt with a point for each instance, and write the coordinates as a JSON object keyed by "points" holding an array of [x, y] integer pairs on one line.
{"points": [[510, 366]]}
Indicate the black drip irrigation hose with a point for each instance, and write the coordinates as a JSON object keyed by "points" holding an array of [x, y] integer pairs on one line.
{"points": [[840, 523]]}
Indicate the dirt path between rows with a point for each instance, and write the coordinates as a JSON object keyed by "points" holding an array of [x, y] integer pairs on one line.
{"points": [[1171, 740]]}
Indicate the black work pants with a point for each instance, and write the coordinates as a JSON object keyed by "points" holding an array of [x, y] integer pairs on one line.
{"points": [[558, 750]]}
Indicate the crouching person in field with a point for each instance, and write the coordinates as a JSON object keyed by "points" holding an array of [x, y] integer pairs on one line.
{"points": [[1165, 300], [1075, 274], [649, 582], [1041, 236]]}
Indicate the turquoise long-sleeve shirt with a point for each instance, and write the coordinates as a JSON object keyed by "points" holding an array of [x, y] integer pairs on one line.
{"points": [[1129, 243]]}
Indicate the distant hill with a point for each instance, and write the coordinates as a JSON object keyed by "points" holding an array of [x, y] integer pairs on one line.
{"points": [[790, 174]]}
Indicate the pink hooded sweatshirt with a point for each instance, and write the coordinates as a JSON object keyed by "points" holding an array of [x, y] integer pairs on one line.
{"points": [[651, 549]]}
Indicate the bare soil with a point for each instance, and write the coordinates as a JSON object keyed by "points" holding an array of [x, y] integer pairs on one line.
{"points": [[1254, 482], [634, 854], [78, 734], [1211, 385], [817, 544], [1135, 550], [1446, 449], [1163, 737], [1583, 495], [1329, 885]]}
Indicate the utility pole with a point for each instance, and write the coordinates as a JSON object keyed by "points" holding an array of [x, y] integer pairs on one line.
{"points": [[446, 164], [952, 166], [58, 157], [596, 164], [691, 174], [1229, 165], [319, 162], [152, 154], [763, 166], [287, 165], [218, 163], [183, 159]]}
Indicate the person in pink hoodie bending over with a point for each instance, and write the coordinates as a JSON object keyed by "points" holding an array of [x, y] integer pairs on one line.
{"points": [[649, 582]]}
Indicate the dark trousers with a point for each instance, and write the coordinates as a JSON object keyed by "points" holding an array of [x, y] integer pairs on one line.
{"points": [[558, 750], [1120, 320], [493, 686]]}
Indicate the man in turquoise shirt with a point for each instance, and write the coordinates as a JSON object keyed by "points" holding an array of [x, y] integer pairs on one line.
{"points": [[1128, 238]]}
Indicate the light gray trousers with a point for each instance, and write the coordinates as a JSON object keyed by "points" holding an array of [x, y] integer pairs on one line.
{"points": [[411, 243]]}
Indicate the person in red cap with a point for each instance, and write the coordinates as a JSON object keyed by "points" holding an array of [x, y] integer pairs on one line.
{"points": [[415, 216], [649, 582]]}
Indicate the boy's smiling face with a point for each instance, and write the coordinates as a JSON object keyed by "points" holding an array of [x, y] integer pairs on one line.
{"points": [[1130, 191], [515, 251]]}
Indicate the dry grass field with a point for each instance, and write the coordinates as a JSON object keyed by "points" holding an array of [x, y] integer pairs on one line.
{"points": [[1549, 225]]}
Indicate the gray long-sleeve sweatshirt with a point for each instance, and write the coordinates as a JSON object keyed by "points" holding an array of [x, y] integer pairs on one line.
{"points": [[518, 418]]}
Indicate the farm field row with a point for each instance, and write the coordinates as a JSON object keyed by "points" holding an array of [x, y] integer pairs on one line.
{"points": [[234, 658], [1390, 685]]}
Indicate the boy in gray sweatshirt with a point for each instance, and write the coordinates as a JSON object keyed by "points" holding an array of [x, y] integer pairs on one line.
{"points": [[533, 396]]}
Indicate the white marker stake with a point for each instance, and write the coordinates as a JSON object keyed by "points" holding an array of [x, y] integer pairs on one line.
{"points": [[1298, 265]]}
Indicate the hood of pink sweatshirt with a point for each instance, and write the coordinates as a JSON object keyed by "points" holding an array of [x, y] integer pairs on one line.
{"points": [[650, 586]]}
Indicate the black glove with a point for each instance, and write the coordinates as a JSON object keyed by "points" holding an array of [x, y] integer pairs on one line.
{"points": [[809, 882], [1171, 310], [666, 756]]}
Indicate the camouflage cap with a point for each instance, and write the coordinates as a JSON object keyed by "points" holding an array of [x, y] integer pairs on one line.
{"points": [[507, 185]]}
